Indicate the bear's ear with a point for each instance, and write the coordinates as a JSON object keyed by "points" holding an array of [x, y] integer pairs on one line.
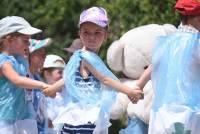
{"points": [[115, 56]]}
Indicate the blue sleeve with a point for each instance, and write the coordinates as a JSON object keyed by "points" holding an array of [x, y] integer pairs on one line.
{"points": [[5, 58]]}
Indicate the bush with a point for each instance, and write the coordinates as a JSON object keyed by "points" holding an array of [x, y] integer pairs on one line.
{"points": [[59, 18]]}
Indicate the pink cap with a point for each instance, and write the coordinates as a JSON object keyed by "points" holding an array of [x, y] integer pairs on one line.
{"points": [[97, 15]]}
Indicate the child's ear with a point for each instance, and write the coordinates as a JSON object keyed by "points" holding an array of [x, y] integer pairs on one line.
{"points": [[79, 32], [106, 35], [8, 39]]}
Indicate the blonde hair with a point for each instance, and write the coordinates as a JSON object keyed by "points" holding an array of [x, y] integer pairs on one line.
{"points": [[5, 37]]}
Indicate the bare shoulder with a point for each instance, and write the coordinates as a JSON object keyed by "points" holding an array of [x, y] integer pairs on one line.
{"points": [[6, 65]]}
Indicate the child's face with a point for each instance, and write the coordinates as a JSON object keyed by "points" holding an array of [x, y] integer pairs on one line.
{"points": [[37, 58], [18, 44], [92, 36], [53, 76]]}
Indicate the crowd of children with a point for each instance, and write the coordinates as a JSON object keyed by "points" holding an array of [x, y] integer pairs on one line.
{"points": [[41, 94], [16, 117]]}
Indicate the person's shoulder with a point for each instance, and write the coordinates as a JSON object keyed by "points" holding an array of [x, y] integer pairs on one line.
{"points": [[3, 56], [6, 58]]}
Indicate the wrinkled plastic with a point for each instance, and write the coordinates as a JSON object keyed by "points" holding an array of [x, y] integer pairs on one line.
{"points": [[27, 126], [28, 93], [176, 83], [55, 105], [90, 98], [13, 105]]}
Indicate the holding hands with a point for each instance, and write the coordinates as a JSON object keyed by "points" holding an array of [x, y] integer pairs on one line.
{"points": [[44, 85], [51, 90], [135, 94], [48, 91]]}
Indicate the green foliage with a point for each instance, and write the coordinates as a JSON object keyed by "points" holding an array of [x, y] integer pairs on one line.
{"points": [[59, 18]]}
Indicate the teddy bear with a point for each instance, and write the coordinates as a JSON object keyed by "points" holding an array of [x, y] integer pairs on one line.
{"points": [[131, 55]]}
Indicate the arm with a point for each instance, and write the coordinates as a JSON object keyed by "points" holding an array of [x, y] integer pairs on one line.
{"points": [[145, 77], [57, 86], [111, 82], [20, 81]]}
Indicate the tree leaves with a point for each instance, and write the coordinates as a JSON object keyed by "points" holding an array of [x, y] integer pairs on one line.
{"points": [[59, 18]]}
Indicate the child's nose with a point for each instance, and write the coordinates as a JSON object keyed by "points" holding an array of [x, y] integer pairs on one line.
{"points": [[92, 36]]}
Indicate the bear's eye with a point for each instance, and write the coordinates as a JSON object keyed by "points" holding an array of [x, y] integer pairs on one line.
{"points": [[145, 67]]}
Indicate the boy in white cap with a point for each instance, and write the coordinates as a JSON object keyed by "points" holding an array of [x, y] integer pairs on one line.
{"points": [[15, 33], [52, 68], [52, 71]]}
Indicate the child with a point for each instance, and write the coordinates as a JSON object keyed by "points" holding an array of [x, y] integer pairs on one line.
{"points": [[90, 90], [37, 53], [52, 68], [52, 71], [15, 33], [175, 76]]}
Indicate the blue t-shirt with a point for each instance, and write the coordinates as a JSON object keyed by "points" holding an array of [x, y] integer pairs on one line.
{"points": [[13, 105]]}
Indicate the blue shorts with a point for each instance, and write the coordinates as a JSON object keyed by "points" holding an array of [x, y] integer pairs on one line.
{"points": [[80, 129]]}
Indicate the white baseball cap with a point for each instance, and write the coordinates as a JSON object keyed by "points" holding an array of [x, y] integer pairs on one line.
{"points": [[53, 61], [12, 24]]}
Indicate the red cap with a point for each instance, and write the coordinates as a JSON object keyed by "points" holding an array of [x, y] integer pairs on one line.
{"points": [[188, 7]]}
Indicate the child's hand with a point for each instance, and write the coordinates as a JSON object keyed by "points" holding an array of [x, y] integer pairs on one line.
{"points": [[44, 85], [135, 94], [49, 92], [56, 87]]}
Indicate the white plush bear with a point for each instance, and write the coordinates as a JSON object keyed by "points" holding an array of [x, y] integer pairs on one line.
{"points": [[131, 54]]}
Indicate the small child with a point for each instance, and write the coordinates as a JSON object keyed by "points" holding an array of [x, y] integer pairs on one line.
{"points": [[37, 54], [89, 84], [52, 68], [15, 33], [52, 71]]}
